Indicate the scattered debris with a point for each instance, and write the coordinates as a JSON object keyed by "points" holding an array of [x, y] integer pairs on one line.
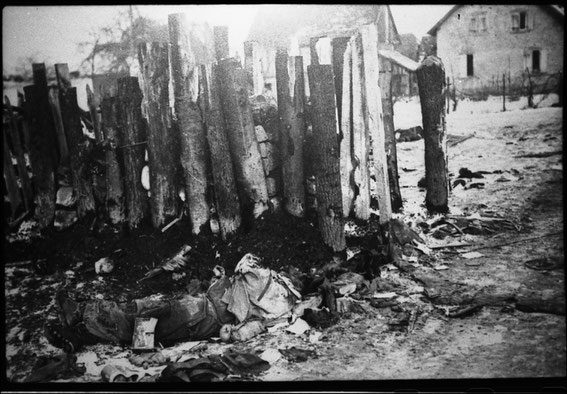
{"points": [[540, 154], [407, 135], [271, 355], [464, 311], [104, 265], [472, 255], [246, 330], [177, 262], [48, 368], [298, 355], [541, 264], [299, 327]]}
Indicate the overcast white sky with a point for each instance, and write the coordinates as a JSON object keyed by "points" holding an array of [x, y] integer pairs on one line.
{"points": [[51, 33]]}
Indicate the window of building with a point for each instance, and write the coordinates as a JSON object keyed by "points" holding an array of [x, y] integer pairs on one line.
{"points": [[470, 65], [482, 21], [478, 23], [472, 26], [536, 57], [519, 21]]}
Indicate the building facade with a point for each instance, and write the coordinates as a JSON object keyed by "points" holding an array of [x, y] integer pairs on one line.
{"points": [[480, 45]]}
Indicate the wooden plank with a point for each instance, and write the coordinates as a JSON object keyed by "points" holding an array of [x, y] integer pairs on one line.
{"points": [[226, 194], [11, 180], [154, 63], [185, 74], [58, 123], [346, 141], [253, 66], [243, 144], [93, 105], [43, 111], [430, 79], [375, 121], [326, 160], [130, 121], [292, 132]]}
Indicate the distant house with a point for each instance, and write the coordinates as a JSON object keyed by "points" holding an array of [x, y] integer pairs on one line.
{"points": [[478, 44], [293, 26]]}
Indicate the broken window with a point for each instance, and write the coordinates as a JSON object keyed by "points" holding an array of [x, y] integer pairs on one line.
{"points": [[519, 21], [470, 65]]}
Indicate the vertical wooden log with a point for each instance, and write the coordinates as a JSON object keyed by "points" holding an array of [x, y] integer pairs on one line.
{"points": [[503, 92], [390, 135], [185, 74], [326, 160], [11, 180], [375, 120], [41, 162], [130, 122], [242, 138], [115, 196], [314, 56], [58, 123], [154, 64], [226, 194], [338, 48], [93, 105], [346, 144], [20, 156], [292, 132], [44, 113], [253, 66], [360, 133], [430, 78], [221, 42]]}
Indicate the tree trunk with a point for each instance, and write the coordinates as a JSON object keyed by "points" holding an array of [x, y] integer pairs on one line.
{"points": [[360, 133], [115, 198], [130, 123], [430, 78], [226, 195], [292, 132], [19, 154], [185, 73], [154, 64], [375, 120], [77, 142], [221, 42], [44, 113], [326, 160], [346, 142], [241, 137], [390, 136]]}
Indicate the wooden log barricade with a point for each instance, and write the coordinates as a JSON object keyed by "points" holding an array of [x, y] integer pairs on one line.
{"points": [[430, 79], [346, 132]]}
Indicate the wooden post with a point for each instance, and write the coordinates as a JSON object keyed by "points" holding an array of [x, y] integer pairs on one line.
{"points": [[326, 160], [154, 64], [314, 56], [375, 120], [241, 137], [11, 180], [130, 122], [338, 48], [115, 196], [226, 195], [346, 144], [447, 94], [77, 142], [44, 113], [430, 78], [253, 67], [292, 132], [58, 123], [221, 42], [503, 92], [19, 154], [360, 133], [41, 162], [390, 135], [185, 74], [93, 104]]}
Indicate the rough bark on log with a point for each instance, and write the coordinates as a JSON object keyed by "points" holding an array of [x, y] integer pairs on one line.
{"points": [[20, 157], [375, 121], [115, 197], [130, 122], [44, 113], [43, 177], [221, 42], [390, 135], [326, 160], [154, 64], [360, 133], [58, 124], [242, 138], [226, 195], [292, 132], [185, 75], [431, 78], [346, 142]]}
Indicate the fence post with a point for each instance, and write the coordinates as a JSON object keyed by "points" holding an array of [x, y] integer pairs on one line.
{"points": [[226, 194], [58, 124], [253, 67], [326, 159], [221, 42], [242, 139], [185, 74], [130, 122], [10, 180], [44, 114], [41, 162], [93, 104], [338, 48], [292, 131], [346, 144], [503, 92], [375, 120], [19, 154], [77, 142], [431, 77]]}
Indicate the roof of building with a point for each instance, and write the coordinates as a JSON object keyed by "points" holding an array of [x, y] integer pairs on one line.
{"points": [[554, 10], [274, 25]]}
